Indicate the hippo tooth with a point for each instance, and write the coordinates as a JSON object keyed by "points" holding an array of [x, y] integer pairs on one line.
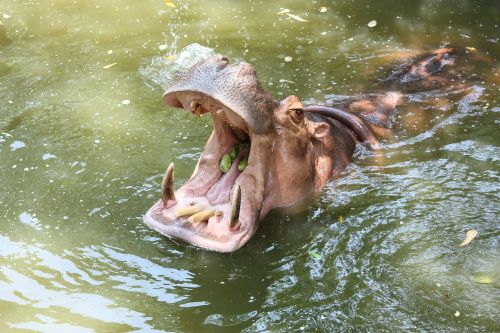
{"points": [[235, 206], [167, 185], [187, 211], [201, 216]]}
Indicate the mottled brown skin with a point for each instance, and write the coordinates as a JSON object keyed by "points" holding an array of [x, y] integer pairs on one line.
{"points": [[421, 73], [294, 150]]}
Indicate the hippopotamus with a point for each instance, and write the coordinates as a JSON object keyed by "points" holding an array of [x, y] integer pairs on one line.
{"points": [[264, 154]]}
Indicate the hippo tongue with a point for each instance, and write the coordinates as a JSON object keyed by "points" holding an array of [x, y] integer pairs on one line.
{"points": [[221, 191]]}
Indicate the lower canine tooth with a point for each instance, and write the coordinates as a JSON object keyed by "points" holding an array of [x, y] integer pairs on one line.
{"points": [[235, 206], [201, 216], [187, 211], [167, 185]]}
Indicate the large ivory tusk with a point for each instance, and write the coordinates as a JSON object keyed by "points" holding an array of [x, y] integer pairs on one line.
{"points": [[167, 185], [235, 206]]}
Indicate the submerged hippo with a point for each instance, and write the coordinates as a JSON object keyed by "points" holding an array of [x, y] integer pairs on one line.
{"points": [[262, 154]]}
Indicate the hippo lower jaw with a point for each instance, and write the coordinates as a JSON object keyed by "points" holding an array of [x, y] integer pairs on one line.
{"points": [[230, 203]]}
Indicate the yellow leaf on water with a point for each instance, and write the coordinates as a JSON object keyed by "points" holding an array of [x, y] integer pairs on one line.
{"points": [[295, 17], [471, 48], [471, 234], [283, 11], [315, 255], [109, 66], [169, 3], [341, 219], [485, 279]]}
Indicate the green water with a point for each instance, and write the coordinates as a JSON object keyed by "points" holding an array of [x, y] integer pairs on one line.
{"points": [[83, 149]]}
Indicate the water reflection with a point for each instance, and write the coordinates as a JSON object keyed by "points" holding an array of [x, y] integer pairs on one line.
{"points": [[84, 138], [54, 283]]}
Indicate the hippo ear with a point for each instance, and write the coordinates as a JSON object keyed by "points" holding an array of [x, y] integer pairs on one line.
{"points": [[320, 130]]}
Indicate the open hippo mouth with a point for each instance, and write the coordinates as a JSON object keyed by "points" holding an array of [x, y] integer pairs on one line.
{"points": [[219, 207]]}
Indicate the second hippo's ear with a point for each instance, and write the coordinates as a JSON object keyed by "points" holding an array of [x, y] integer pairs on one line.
{"points": [[319, 130]]}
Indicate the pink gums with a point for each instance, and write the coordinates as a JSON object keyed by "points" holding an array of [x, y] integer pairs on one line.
{"points": [[220, 192]]}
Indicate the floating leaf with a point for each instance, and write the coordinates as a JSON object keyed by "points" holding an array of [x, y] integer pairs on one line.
{"points": [[341, 219], [109, 66], [471, 234], [315, 255], [295, 17], [170, 3], [283, 11], [323, 9], [372, 24], [288, 59], [485, 279], [470, 48]]}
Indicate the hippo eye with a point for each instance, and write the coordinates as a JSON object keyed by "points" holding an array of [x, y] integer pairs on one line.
{"points": [[297, 114]]}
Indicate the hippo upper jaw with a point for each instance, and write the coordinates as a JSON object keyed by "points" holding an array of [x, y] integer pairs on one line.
{"points": [[218, 210], [234, 87]]}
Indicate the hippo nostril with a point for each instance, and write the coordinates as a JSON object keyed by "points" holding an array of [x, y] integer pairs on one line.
{"points": [[222, 63]]}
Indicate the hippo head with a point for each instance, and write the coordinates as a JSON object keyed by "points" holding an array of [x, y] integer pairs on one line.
{"points": [[261, 154]]}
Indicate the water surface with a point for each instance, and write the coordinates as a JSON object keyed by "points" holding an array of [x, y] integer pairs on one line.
{"points": [[84, 140]]}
